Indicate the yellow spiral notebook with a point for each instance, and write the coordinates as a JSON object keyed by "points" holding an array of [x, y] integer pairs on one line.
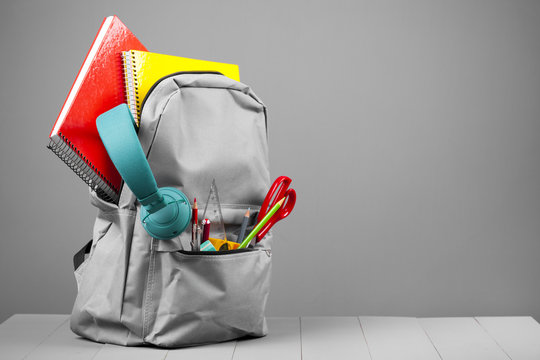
{"points": [[143, 69]]}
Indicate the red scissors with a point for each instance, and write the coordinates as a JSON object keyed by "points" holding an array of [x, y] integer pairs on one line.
{"points": [[278, 190]]}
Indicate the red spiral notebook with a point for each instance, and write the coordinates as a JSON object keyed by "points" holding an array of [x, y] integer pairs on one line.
{"points": [[98, 87]]}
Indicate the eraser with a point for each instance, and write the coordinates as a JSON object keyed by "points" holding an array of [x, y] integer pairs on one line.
{"points": [[207, 246]]}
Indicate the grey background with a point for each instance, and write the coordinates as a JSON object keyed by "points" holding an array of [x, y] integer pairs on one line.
{"points": [[411, 130]]}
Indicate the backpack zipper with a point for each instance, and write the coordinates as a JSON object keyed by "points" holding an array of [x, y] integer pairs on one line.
{"points": [[171, 75], [189, 72], [216, 253]]}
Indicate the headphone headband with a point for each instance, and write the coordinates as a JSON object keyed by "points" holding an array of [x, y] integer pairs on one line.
{"points": [[166, 212]]}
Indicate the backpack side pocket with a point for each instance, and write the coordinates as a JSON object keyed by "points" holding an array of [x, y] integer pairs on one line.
{"points": [[101, 278]]}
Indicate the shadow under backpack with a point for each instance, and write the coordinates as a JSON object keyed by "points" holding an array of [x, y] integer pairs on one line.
{"points": [[135, 289]]}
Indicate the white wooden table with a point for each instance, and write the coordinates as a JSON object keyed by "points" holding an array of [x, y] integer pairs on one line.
{"points": [[376, 338]]}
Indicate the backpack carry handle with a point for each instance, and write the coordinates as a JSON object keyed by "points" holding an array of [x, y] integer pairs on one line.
{"points": [[166, 211]]}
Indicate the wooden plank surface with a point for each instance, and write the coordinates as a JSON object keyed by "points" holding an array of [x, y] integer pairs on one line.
{"points": [[46, 337], [332, 338], [402, 338], [63, 344], [461, 339], [282, 342], [221, 351], [519, 337], [21, 333], [116, 352]]}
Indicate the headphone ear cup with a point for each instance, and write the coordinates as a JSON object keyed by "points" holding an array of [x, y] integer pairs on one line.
{"points": [[170, 221]]}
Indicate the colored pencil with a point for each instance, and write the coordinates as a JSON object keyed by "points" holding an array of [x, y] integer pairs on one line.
{"points": [[261, 223], [243, 227]]}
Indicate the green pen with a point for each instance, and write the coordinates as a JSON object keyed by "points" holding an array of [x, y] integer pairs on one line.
{"points": [[261, 223]]}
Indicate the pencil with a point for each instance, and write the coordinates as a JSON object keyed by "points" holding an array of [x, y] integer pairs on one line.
{"points": [[243, 227], [261, 223]]}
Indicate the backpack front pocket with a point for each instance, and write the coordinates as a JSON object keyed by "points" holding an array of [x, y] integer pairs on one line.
{"points": [[206, 297]]}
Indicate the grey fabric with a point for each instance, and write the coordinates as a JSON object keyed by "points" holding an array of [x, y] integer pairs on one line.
{"points": [[133, 289]]}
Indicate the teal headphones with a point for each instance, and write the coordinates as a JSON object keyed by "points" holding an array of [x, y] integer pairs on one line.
{"points": [[166, 211]]}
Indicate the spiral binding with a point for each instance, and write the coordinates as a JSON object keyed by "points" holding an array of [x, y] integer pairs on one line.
{"points": [[130, 76], [84, 169]]}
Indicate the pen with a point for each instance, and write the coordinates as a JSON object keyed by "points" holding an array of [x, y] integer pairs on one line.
{"points": [[243, 227], [194, 214], [261, 223], [206, 230]]}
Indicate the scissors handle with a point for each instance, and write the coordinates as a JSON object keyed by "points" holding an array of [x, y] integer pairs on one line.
{"points": [[278, 188], [281, 186], [287, 207]]}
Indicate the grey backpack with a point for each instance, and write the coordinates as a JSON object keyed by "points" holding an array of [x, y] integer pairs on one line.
{"points": [[134, 289]]}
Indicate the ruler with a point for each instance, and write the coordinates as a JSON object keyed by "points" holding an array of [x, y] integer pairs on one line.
{"points": [[212, 212]]}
